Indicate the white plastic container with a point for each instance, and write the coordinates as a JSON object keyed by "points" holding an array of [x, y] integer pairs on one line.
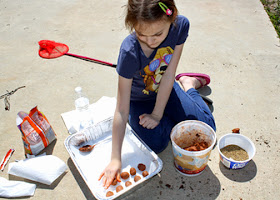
{"points": [[82, 108], [241, 141], [191, 163]]}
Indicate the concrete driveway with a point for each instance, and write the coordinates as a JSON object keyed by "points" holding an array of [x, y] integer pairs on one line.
{"points": [[232, 41]]}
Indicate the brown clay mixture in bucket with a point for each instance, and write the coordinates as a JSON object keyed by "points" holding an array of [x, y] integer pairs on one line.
{"points": [[192, 140], [197, 146]]}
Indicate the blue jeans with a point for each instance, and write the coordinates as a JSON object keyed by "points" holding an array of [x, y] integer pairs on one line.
{"points": [[181, 106]]}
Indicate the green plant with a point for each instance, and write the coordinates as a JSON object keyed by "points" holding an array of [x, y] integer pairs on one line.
{"points": [[272, 8]]}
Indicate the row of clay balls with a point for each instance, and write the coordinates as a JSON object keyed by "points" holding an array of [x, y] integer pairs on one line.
{"points": [[125, 175]]}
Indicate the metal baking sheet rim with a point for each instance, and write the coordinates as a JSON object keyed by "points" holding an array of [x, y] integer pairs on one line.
{"points": [[137, 185]]}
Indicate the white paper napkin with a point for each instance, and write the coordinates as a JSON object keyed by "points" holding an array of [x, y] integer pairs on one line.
{"points": [[43, 169], [11, 189], [100, 110]]}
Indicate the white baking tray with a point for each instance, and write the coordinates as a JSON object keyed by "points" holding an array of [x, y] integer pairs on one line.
{"points": [[91, 164]]}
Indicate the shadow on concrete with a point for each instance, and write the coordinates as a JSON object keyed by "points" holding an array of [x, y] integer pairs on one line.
{"points": [[49, 149], [204, 186], [240, 175], [54, 184], [204, 92], [80, 180]]}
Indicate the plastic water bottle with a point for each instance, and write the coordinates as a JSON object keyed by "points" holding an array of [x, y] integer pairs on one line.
{"points": [[82, 108]]}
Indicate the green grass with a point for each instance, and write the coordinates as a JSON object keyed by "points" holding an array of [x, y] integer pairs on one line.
{"points": [[272, 8]]}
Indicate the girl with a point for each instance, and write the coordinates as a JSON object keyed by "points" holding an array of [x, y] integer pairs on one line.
{"points": [[148, 97]]}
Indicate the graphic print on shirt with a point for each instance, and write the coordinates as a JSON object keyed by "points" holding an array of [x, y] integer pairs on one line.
{"points": [[156, 68]]}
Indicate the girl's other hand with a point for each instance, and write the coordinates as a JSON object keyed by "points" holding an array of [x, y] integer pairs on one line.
{"points": [[110, 172], [149, 121]]}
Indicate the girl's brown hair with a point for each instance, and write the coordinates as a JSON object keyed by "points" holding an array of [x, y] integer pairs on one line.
{"points": [[148, 11]]}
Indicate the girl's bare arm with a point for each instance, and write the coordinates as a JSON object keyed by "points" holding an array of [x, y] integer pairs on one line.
{"points": [[121, 116], [119, 125]]}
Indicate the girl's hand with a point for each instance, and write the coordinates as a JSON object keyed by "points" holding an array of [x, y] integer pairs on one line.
{"points": [[111, 172], [149, 121]]}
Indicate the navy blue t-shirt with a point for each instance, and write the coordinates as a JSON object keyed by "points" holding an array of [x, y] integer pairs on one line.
{"points": [[147, 72]]}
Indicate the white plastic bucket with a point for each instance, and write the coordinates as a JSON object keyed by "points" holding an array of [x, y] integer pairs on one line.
{"points": [[184, 134], [241, 141]]}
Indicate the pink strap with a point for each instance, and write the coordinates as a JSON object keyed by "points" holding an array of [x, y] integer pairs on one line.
{"points": [[78, 56]]}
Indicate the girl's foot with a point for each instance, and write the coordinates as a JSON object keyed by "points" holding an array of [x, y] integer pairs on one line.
{"points": [[188, 82]]}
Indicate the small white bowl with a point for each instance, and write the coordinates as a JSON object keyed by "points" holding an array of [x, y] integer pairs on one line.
{"points": [[241, 141]]}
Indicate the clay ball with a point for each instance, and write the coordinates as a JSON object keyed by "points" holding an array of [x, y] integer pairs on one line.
{"points": [[145, 173], [119, 188], [236, 130], [137, 178], [128, 183], [132, 171], [114, 181], [109, 193], [86, 148], [124, 175], [141, 167]]}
